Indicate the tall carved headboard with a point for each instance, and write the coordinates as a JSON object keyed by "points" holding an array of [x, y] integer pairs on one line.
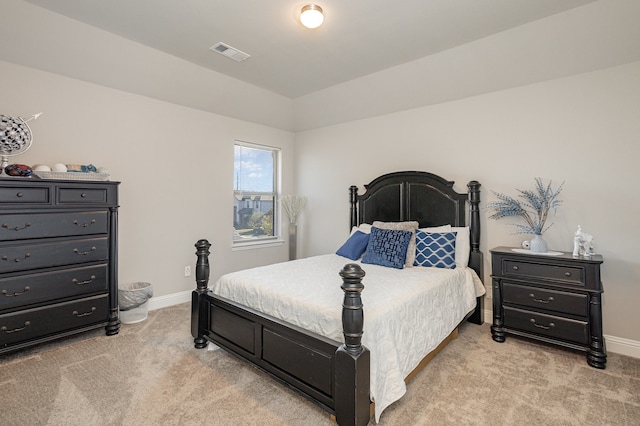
{"points": [[423, 197]]}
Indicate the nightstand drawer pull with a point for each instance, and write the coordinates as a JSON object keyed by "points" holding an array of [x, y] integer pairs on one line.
{"points": [[26, 324], [84, 314], [567, 274], [19, 194], [89, 281], [17, 228], [535, 299], [17, 293], [83, 253], [515, 268], [84, 225], [544, 327]]}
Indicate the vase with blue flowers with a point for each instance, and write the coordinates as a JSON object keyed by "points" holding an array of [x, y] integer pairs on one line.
{"points": [[533, 207]]}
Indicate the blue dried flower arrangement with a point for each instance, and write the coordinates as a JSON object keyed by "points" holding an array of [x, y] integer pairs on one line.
{"points": [[533, 209]]}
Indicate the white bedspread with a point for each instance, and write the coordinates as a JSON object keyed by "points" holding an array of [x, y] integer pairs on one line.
{"points": [[407, 312]]}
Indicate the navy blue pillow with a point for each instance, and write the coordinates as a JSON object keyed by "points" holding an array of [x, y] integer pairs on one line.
{"points": [[387, 247], [437, 249], [354, 246]]}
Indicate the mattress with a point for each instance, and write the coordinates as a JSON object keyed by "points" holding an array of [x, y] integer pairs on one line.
{"points": [[407, 312]]}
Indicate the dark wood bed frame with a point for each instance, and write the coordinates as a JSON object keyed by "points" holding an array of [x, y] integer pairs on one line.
{"points": [[332, 374]]}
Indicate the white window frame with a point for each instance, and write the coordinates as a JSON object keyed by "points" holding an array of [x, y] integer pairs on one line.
{"points": [[267, 241]]}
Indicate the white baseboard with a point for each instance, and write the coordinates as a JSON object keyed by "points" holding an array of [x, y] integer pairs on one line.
{"points": [[618, 345], [169, 300]]}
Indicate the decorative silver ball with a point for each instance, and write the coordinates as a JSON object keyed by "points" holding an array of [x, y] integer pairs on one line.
{"points": [[15, 135]]}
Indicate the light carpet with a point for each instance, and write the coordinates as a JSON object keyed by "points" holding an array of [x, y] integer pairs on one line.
{"points": [[150, 374]]}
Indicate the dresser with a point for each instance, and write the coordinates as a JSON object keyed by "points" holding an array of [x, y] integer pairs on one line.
{"points": [[58, 259], [551, 299]]}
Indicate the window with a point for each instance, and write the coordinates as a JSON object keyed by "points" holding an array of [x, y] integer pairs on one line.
{"points": [[255, 193]]}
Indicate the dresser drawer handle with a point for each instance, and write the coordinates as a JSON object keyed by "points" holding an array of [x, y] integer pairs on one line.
{"points": [[84, 225], [19, 195], [515, 268], [89, 281], [17, 293], [535, 299], [544, 327], [567, 274], [84, 314], [83, 253], [83, 195], [17, 228], [17, 259], [4, 328]]}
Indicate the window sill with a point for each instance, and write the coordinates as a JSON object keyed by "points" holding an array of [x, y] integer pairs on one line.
{"points": [[250, 245]]}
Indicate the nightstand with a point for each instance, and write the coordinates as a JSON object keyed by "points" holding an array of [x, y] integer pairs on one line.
{"points": [[552, 299]]}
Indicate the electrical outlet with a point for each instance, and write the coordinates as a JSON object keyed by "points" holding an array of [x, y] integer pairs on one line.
{"points": [[187, 271]]}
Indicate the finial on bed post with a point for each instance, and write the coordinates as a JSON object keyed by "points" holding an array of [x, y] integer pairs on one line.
{"points": [[353, 361], [199, 311], [474, 214], [352, 314], [353, 199]]}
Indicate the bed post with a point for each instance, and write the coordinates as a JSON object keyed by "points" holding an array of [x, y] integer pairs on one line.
{"points": [[353, 199], [198, 306], [352, 359], [476, 261]]}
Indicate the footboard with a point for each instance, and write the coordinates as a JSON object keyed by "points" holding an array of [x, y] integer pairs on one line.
{"points": [[331, 374]]}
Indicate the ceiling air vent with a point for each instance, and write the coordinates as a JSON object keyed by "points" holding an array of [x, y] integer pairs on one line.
{"points": [[229, 52]]}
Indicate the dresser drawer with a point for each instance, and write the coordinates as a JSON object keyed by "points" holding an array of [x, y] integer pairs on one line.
{"points": [[22, 195], [574, 275], [42, 255], [39, 322], [41, 225], [547, 325], [99, 195], [558, 301], [37, 288]]}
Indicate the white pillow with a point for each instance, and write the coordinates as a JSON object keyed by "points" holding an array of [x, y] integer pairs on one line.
{"points": [[443, 228], [365, 228], [463, 245]]}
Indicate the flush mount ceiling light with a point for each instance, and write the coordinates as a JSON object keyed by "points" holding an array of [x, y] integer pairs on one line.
{"points": [[311, 16]]}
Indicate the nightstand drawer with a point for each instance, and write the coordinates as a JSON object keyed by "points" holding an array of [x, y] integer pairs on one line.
{"points": [[30, 289], [22, 195], [41, 225], [32, 323], [551, 300], [565, 274], [42, 255], [547, 325]]}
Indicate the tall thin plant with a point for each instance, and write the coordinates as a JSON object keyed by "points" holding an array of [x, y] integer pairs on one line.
{"points": [[293, 206], [532, 206]]}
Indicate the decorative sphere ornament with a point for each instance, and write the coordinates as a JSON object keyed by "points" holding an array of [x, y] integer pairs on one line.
{"points": [[15, 137], [59, 168]]}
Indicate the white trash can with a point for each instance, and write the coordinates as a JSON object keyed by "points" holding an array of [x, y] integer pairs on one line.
{"points": [[133, 300]]}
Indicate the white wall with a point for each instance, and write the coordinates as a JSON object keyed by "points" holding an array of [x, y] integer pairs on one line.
{"points": [[175, 164], [583, 130]]}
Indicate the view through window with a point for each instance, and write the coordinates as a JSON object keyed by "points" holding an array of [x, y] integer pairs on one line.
{"points": [[255, 192]]}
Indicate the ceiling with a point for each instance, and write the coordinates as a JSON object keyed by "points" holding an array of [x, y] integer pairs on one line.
{"points": [[357, 38]]}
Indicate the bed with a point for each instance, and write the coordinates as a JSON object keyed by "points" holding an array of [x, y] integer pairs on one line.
{"points": [[323, 357]]}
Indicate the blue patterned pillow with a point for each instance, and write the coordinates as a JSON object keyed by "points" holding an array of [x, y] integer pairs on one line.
{"points": [[387, 247], [436, 249], [354, 246]]}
